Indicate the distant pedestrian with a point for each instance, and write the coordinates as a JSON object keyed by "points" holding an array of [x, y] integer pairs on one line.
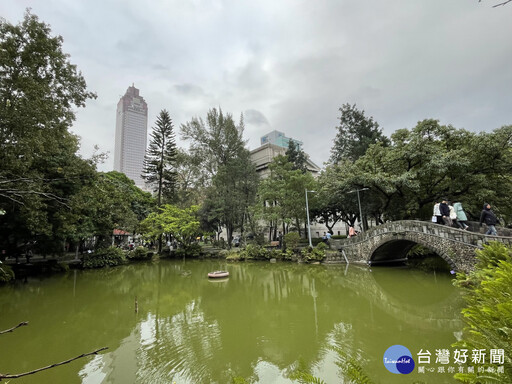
{"points": [[437, 214], [445, 213], [351, 231], [453, 215], [461, 216], [489, 218]]}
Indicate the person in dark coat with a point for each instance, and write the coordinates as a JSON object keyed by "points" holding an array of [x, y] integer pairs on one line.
{"points": [[445, 213], [489, 218]]}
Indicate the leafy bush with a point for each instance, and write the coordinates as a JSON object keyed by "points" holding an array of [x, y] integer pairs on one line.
{"points": [[259, 239], [6, 273], [321, 246], [105, 257], [274, 254], [488, 312], [292, 239], [139, 253], [289, 254], [193, 250], [338, 237], [224, 253], [315, 254], [254, 252], [231, 255]]}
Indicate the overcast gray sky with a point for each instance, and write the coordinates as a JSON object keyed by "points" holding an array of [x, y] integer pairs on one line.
{"points": [[287, 64]]}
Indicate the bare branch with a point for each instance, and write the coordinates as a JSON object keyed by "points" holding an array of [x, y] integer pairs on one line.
{"points": [[8, 376], [9, 193], [13, 328], [12, 199], [505, 2], [500, 4]]}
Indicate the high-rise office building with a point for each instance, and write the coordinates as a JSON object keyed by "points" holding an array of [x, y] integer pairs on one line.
{"points": [[131, 135]]}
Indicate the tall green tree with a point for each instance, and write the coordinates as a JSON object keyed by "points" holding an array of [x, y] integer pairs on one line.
{"points": [[282, 198], [160, 159], [232, 177], [39, 92], [190, 179], [297, 156], [232, 193], [216, 141], [356, 133]]}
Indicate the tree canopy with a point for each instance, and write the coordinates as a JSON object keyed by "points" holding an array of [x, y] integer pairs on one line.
{"points": [[426, 163], [355, 134], [227, 165]]}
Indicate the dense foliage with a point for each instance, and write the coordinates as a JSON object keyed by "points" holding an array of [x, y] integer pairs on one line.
{"points": [[488, 312], [104, 257], [281, 197], [6, 273], [182, 224], [232, 175], [419, 166], [139, 254], [355, 134], [49, 195]]}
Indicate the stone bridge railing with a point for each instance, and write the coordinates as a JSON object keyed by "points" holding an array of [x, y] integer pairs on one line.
{"points": [[392, 241]]}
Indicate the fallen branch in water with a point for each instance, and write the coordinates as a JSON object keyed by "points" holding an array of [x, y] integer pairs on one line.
{"points": [[13, 328], [8, 376]]}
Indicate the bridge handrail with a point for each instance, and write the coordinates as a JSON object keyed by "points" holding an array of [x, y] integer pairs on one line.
{"points": [[387, 228]]}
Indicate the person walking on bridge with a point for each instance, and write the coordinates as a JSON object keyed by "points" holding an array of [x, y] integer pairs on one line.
{"points": [[489, 218], [461, 215], [445, 213], [437, 214]]}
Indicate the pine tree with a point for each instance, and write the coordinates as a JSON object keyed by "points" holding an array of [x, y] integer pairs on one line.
{"points": [[296, 156], [159, 162], [356, 133]]}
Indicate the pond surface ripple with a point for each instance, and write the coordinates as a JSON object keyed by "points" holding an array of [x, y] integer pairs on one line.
{"points": [[259, 324]]}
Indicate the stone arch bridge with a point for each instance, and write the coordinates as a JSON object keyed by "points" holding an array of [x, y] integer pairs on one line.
{"points": [[392, 241]]}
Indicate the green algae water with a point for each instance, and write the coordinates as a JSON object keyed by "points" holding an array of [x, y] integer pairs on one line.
{"points": [[259, 324]]}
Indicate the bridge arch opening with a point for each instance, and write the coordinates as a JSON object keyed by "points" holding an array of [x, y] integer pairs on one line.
{"points": [[412, 253]]}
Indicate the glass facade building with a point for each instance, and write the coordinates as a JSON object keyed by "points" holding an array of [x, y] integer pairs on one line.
{"points": [[279, 139]]}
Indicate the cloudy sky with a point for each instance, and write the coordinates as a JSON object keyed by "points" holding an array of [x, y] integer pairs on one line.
{"points": [[287, 64]]}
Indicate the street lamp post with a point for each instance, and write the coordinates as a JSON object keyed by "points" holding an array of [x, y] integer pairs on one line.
{"points": [[359, 203], [307, 212]]}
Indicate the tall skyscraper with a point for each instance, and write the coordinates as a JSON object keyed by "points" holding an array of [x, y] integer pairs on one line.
{"points": [[131, 135]]}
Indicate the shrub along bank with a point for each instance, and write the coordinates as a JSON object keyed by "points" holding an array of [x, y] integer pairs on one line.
{"points": [[488, 313]]}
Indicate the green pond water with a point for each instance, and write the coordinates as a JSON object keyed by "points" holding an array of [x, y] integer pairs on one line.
{"points": [[258, 324]]}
